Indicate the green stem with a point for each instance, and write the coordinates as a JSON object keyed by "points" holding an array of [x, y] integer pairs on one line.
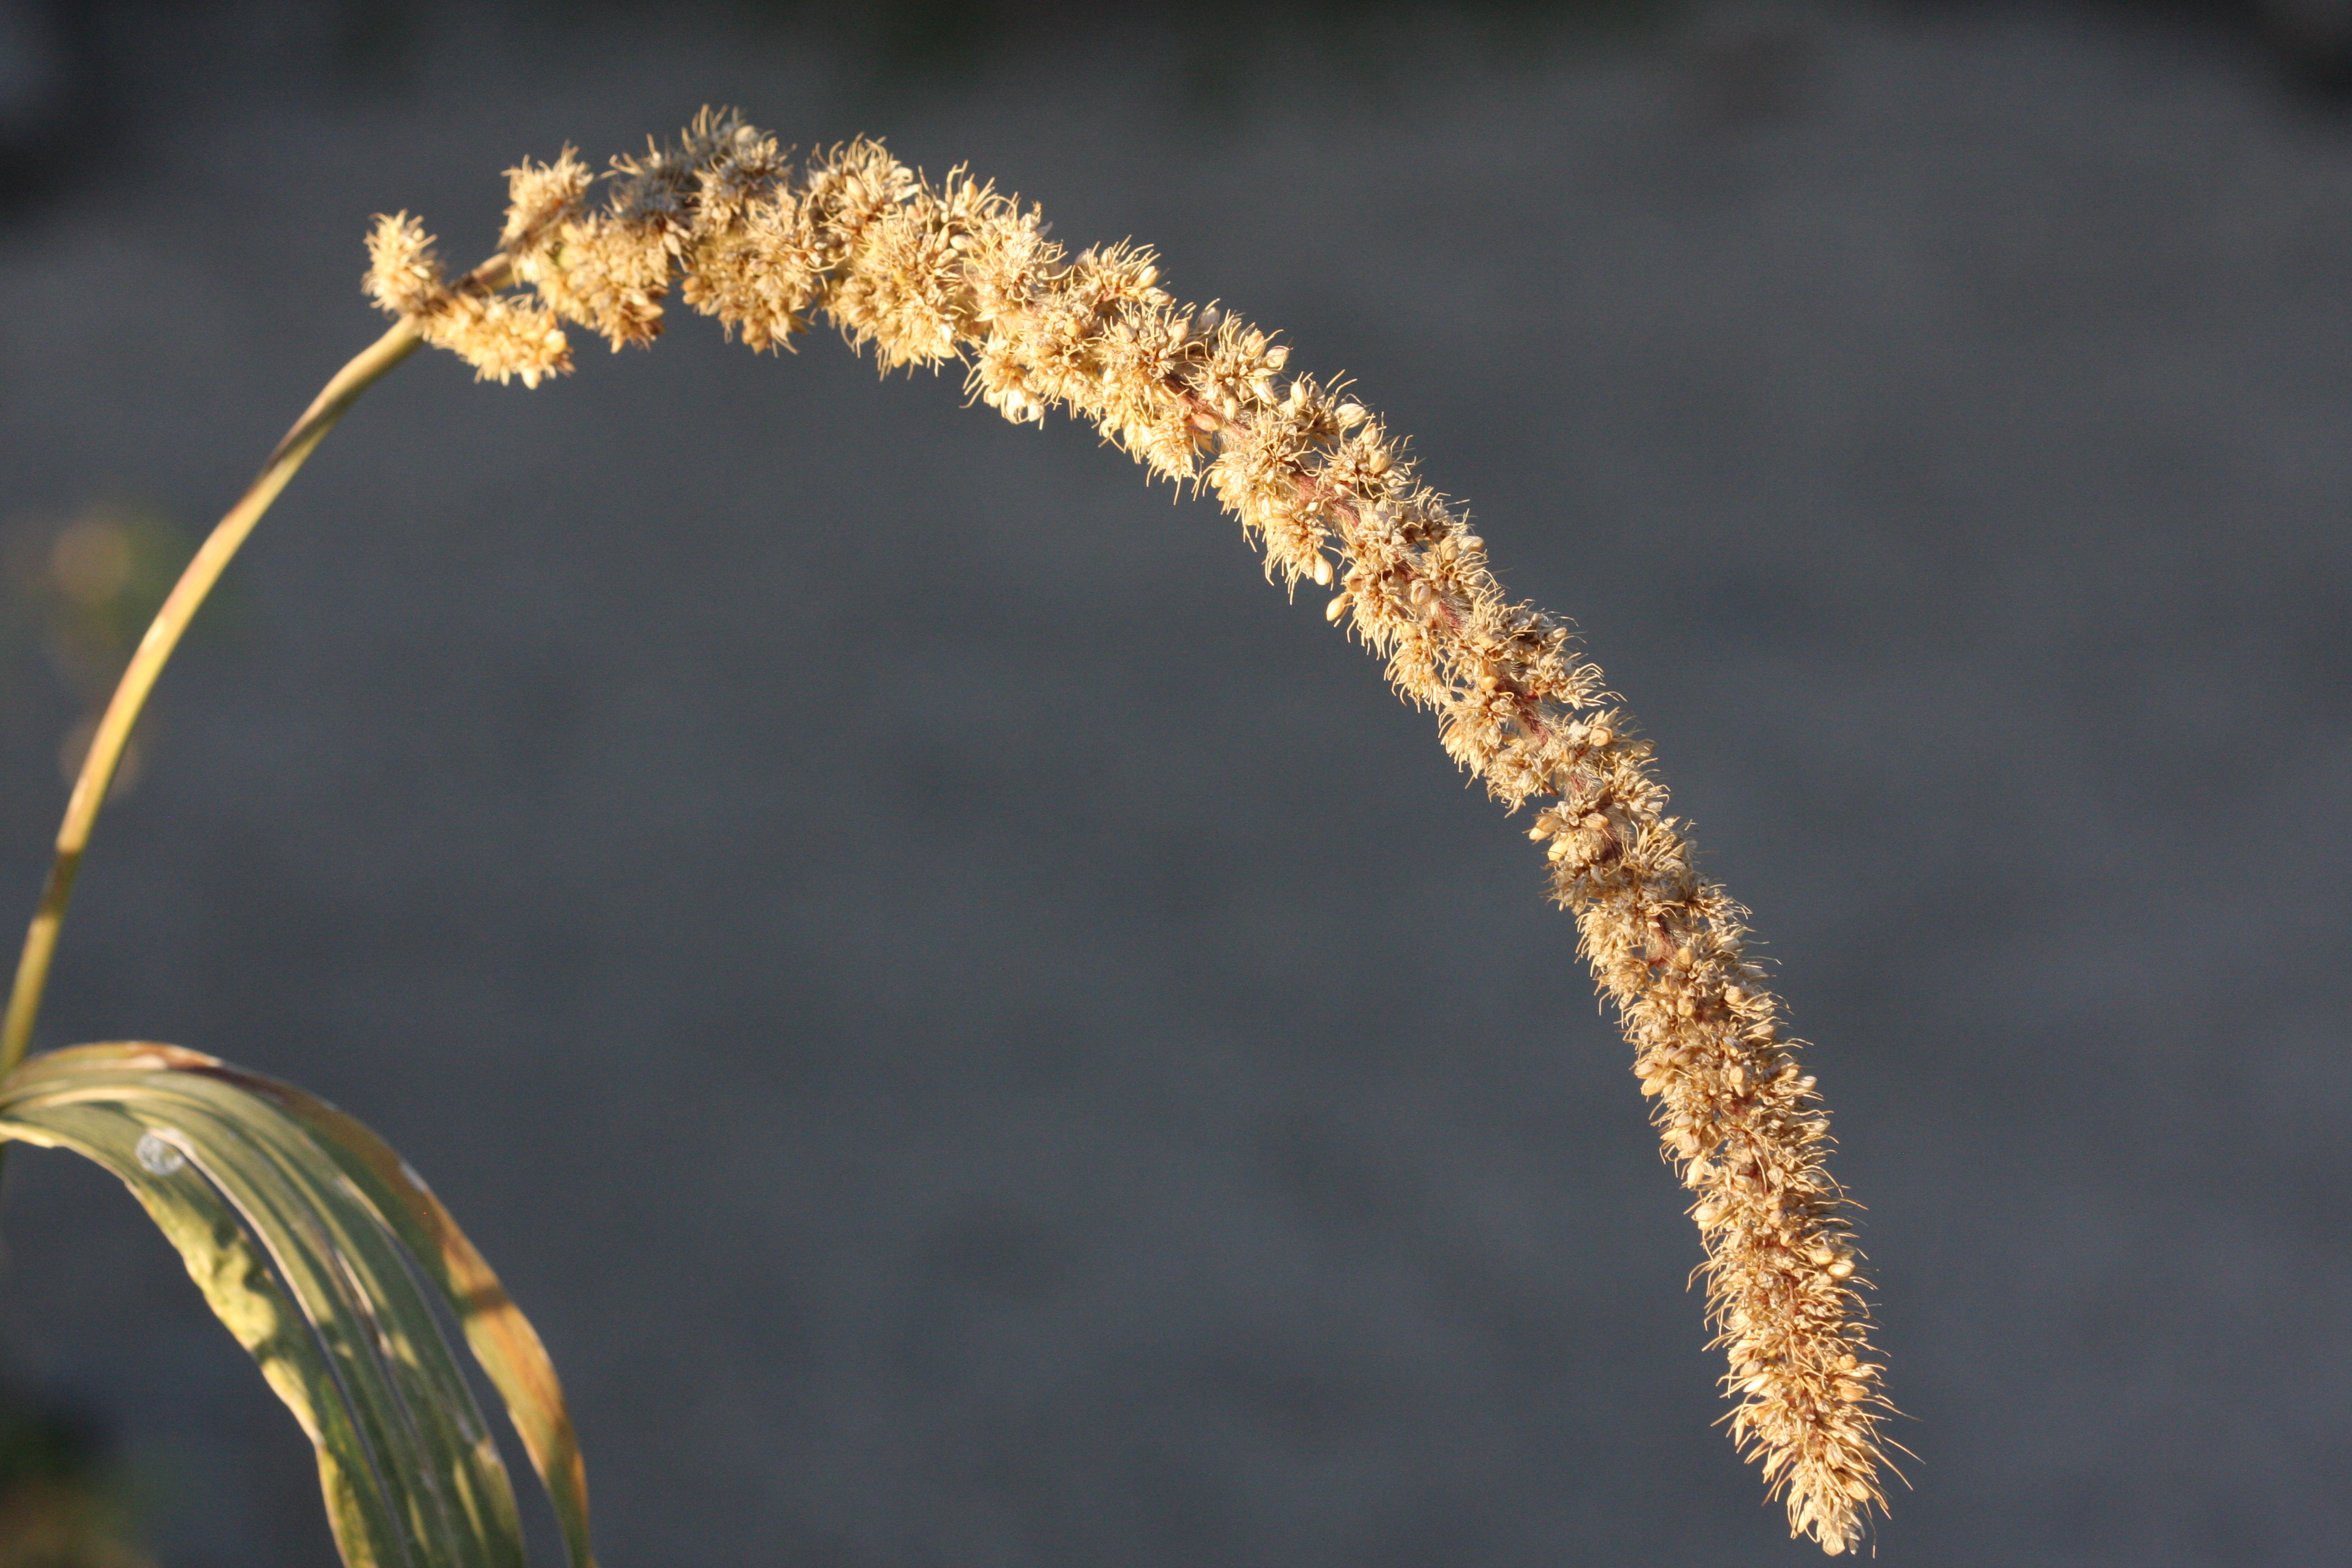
{"points": [[163, 636]]}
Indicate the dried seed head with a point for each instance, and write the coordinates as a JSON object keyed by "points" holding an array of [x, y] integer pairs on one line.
{"points": [[924, 273]]}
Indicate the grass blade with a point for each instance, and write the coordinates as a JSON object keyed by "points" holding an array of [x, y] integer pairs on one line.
{"points": [[500, 1337], [320, 1250]]}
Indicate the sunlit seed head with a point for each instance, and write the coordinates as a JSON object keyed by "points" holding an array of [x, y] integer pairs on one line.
{"points": [[922, 273]]}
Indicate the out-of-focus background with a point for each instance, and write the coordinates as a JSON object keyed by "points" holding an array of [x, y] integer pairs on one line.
{"points": [[980, 1033]]}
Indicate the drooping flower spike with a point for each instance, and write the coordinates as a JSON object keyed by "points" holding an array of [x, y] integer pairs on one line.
{"points": [[926, 273]]}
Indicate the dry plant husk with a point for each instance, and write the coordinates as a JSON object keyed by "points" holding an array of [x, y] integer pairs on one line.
{"points": [[925, 273]]}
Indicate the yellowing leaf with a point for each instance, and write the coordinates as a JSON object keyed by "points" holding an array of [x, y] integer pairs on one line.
{"points": [[321, 1251]]}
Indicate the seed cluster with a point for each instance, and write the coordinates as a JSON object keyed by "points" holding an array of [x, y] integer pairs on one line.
{"points": [[926, 273]]}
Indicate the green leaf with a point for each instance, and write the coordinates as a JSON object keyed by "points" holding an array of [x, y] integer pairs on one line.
{"points": [[317, 1244]]}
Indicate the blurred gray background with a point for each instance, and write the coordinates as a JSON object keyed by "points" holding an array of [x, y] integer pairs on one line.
{"points": [[984, 1035]]}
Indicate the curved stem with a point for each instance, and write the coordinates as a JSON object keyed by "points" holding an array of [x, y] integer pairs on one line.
{"points": [[163, 636], [154, 649]]}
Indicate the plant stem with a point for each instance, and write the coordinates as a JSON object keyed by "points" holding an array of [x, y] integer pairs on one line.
{"points": [[163, 637]]}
